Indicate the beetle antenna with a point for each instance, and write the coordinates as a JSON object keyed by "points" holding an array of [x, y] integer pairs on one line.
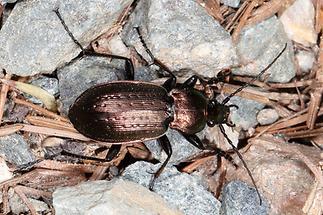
{"points": [[242, 160], [255, 78]]}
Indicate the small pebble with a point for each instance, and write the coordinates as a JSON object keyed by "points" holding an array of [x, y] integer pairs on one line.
{"points": [[267, 116], [231, 3], [305, 60]]}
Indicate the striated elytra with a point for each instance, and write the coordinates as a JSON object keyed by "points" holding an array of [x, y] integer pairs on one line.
{"points": [[132, 111]]}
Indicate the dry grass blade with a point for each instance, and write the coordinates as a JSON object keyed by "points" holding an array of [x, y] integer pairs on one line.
{"points": [[319, 17], [1, 13], [53, 132], [48, 99], [267, 10], [50, 123], [41, 110], [194, 165], [314, 107], [230, 26], [316, 95], [270, 86], [302, 133], [243, 20], [113, 30], [5, 199], [260, 96], [100, 171], [281, 123], [9, 129], [56, 165], [281, 110], [313, 205], [212, 7], [291, 122], [3, 96], [26, 201]]}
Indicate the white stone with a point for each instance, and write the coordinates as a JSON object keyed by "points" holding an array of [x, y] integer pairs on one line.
{"points": [[305, 60], [5, 174], [109, 197], [298, 21]]}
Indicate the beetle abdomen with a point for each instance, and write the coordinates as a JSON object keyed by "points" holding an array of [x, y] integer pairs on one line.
{"points": [[122, 111]]}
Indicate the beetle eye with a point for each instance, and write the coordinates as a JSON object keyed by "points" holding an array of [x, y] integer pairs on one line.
{"points": [[211, 123]]}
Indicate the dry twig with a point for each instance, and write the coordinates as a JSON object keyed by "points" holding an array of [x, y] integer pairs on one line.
{"points": [[212, 7], [316, 95]]}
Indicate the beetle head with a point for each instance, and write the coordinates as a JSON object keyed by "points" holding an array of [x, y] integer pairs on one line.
{"points": [[218, 113]]}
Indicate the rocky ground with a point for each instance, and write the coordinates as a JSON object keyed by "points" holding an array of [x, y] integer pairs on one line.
{"points": [[47, 167]]}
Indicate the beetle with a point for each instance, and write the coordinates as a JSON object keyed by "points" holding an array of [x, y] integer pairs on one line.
{"points": [[122, 112]]}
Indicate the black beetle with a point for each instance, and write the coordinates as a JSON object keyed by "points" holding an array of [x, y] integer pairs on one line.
{"points": [[128, 111]]}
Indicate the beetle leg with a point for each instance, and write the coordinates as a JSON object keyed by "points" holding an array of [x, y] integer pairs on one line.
{"points": [[129, 68], [113, 152], [194, 140], [167, 147], [190, 83], [169, 84]]}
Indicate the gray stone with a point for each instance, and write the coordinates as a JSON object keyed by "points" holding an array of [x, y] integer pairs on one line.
{"points": [[145, 74], [181, 190], [240, 199], [34, 41], [182, 35], [15, 150], [109, 197], [231, 3], [267, 116], [180, 146], [258, 46], [85, 73]]}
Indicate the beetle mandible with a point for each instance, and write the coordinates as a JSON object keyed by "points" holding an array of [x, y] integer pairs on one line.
{"points": [[121, 112]]}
